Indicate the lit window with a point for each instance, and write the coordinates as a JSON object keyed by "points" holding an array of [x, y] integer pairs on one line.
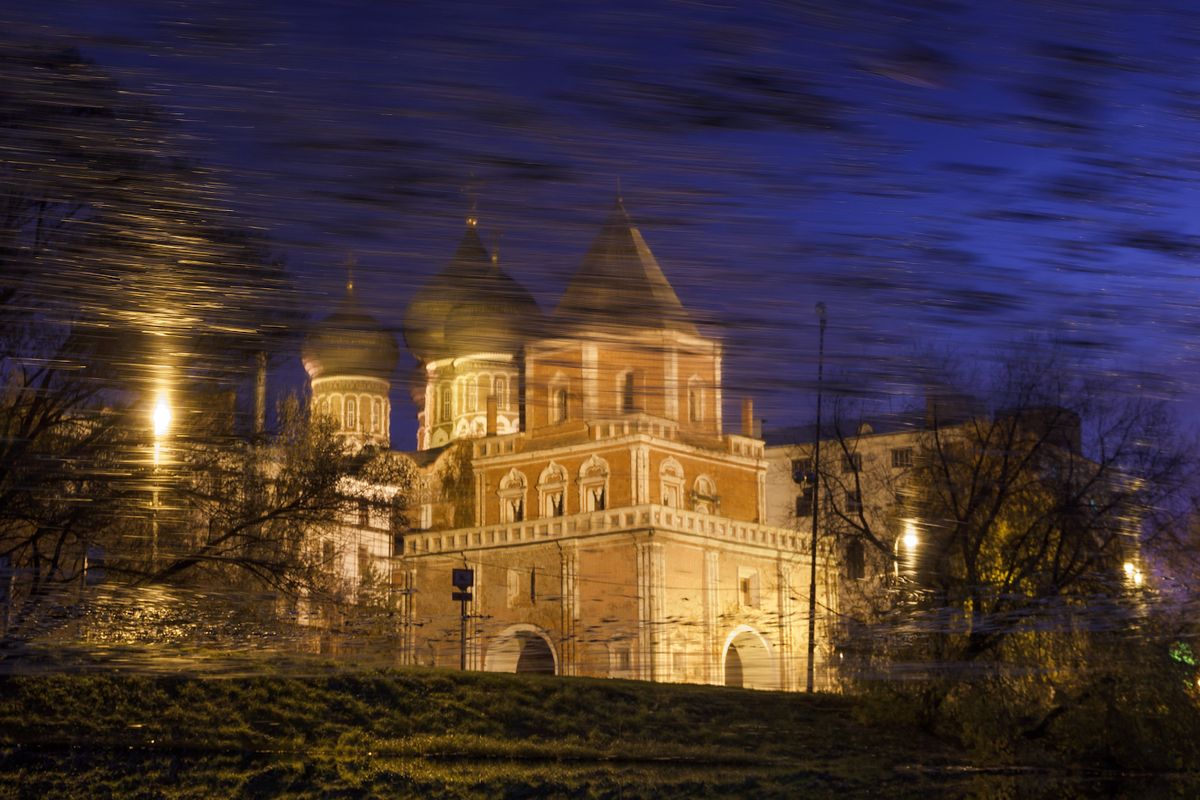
{"points": [[376, 415], [500, 392], [802, 470], [351, 414], [446, 404]]}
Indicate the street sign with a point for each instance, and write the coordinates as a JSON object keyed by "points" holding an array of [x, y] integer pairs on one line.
{"points": [[464, 597], [463, 579]]}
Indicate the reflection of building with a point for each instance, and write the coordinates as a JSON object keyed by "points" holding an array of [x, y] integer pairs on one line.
{"points": [[613, 527]]}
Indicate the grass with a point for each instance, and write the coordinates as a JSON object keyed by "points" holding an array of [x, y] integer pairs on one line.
{"points": [[426, 733]]}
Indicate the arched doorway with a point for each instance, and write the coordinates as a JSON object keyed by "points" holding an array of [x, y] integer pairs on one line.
{"points": [[521, 648], [748, 662]]}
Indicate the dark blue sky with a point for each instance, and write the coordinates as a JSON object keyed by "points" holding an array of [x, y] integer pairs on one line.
{"points": [[939, 174]]}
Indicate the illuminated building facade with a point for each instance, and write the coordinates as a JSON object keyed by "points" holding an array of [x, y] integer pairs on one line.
{"points": [[613, 527]]}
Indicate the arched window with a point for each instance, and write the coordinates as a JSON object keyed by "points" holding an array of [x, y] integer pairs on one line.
{"points": [[472, 399], [446, 404], [552, 491], [512, 496], [695, 400], [500, 392], [376, 414], [704, 495], [351, 414], [670, 475], [559, 400], [324, 407], [627, 389], [593, 484]]}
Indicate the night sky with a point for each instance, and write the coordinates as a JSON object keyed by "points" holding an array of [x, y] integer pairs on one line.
{"points": [[941, 175]]}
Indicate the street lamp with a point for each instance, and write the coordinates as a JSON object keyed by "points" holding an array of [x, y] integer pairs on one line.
{"points": [[812, 577], [161, 417]]}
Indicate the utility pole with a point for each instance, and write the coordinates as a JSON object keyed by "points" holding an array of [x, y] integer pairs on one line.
{"points": [[816, 506]]}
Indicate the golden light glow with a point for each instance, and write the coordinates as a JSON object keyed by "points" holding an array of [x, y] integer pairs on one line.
{"points": [[1133, 573], [161, 416], [910, 536]]}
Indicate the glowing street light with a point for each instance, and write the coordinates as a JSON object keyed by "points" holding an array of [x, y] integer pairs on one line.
{"points": [[161, 417], [911, 540], [1133, 574]]}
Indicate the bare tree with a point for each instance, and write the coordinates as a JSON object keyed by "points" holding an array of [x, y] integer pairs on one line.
{"points": [[1008, 543], [119, 275]]}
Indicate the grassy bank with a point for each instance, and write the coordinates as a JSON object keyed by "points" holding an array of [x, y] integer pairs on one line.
{"points": [[443, 734]]}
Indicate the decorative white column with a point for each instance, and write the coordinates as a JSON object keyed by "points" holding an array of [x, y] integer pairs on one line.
{"points": [[651, 586], [639, 472], [591, 371], [569, 591]]}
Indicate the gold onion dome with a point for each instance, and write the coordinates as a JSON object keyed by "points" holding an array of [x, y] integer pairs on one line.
{"points": [[620, 284], [472, 306], [350, 342]]}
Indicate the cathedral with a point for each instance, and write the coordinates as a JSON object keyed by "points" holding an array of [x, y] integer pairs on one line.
{"points": [[585, 510]]}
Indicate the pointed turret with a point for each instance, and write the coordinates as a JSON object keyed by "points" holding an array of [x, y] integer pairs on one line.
{"points": [[621, 283]]}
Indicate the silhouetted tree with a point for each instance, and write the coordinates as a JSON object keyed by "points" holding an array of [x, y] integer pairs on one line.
{"points": [[1008, 555]]}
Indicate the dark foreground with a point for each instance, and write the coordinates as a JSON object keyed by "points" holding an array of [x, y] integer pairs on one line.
{"points": [[419, 733]]}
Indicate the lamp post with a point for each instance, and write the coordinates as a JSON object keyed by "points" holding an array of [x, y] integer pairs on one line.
{"points": [[816, 506]]}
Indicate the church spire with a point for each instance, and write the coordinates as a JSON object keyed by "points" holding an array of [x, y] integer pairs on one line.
{"points": [[620, 282], [471, 190]]}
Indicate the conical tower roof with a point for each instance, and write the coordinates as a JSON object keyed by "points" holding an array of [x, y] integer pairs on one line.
{"points": [[350, 342], [620, 283], [471, 306]]}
